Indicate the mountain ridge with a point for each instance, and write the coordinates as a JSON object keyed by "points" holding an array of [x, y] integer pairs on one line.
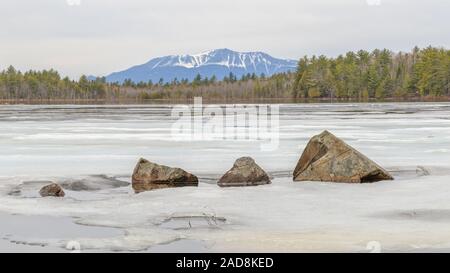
{"points": [[217, 62]]}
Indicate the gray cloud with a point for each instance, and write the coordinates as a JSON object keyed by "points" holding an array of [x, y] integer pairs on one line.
{"points": [[101, 36]]}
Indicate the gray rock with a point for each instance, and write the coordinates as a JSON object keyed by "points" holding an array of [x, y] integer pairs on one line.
{"points": [[93, 183], [422, 171], [52, 190], [327, 158], [150, 176], [245, 172]]}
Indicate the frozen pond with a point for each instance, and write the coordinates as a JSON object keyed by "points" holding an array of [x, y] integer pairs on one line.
{"points": [[99, 146]]}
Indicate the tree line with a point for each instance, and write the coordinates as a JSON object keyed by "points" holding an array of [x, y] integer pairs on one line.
{"points": [[378, 74], [48, 86], [361, 76]]}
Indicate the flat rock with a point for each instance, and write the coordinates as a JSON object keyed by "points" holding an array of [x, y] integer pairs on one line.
{"points": [[150, 176], [93, 183], [245, 172], [52, 190], [328, 158]]}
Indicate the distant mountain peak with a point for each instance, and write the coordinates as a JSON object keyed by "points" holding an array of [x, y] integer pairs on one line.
{"points": [[218, 62]]}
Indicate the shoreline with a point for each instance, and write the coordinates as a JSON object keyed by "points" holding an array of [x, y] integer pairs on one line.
{"points": [[216, 101]]}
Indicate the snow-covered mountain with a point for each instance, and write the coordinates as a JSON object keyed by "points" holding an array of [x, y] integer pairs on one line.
{"points": [[219, 62]]}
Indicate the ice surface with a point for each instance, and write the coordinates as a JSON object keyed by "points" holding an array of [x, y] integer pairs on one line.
{"points": [[63, 143], [43, 233]]}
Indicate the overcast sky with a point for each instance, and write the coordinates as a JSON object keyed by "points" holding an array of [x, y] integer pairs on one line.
{"points": [[101, 36]]}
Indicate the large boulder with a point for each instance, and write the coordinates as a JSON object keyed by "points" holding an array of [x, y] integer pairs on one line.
{"points": [[328, 158], [150, 176], [245, 172], [52, 190]]}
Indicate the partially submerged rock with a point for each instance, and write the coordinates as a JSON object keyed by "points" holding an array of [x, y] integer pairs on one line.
{"points": [[93, 183], [422, 171], [150, 176], [52, 190], [328, 158], [245, 172]]}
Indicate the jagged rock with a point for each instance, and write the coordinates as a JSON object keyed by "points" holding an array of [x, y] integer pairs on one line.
{"points": [[53, 190], [245, 172], [327, 158], [150, 176]]}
